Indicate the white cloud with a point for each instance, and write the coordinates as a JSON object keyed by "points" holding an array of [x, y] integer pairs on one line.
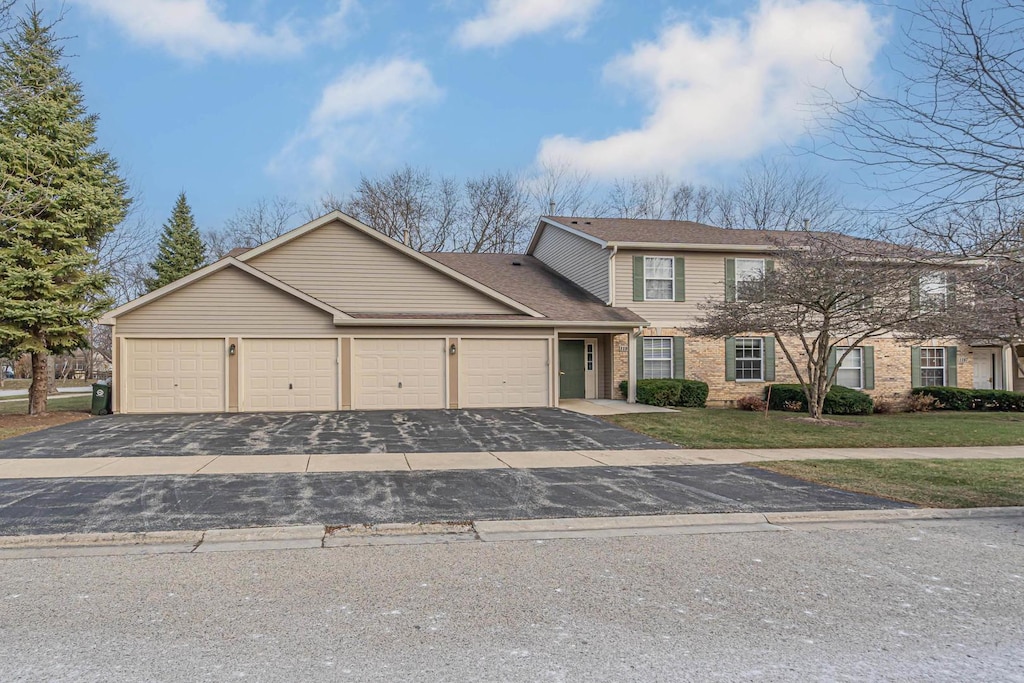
{"points": [[195, 29], [729, 92], [506, 20], [360, 115]]}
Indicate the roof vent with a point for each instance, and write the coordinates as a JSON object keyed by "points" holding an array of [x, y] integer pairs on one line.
{"points": [[574, 222], [517, 263], [586, 222]]}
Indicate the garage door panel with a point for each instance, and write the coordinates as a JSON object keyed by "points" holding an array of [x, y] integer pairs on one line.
{"points": [[289, 374], [174, 375], [392, 374], [504, 373]]}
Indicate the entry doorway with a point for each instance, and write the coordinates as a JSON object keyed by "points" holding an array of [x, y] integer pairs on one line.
{"points": [[988, 368], [577, 368]]}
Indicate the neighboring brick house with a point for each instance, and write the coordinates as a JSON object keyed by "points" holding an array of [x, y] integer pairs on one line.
{"points": [[664, 270]]}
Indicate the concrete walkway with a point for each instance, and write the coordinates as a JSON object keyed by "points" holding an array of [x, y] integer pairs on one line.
{"points": [[605, 406], [49, 468]]}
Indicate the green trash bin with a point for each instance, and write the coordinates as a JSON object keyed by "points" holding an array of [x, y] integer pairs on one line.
{"points": [[100, 398]]}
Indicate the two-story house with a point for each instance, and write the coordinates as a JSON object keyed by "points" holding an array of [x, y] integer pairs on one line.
{"points": [[336, 316], [663, 270]]}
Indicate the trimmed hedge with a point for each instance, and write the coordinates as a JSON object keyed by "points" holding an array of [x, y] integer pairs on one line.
{"points": [[684, 393], [838, 401], [953, 398]]}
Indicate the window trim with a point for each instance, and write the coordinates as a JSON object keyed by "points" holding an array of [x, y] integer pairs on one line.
{"points": [[671, 279], [930, 301], [738, 280], [671, 357], [945, 370], [840, 350], [761, 359]]}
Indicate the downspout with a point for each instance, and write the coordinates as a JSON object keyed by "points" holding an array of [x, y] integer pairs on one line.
{"points": [[611, 275]]}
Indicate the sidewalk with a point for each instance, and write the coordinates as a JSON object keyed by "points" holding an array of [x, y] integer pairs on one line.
{"points": [[48, 468]]}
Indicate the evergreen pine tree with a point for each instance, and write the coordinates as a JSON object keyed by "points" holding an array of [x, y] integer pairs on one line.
{"points": [[59, 195], [181, 250]]}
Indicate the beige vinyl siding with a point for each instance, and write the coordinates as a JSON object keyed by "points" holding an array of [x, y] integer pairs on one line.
{"points": [[384, 331], [357, 274], [577, 259], [229, 302], [705, 278]]}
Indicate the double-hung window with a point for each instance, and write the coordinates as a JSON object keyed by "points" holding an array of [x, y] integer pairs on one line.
{"points": [[659, 278], [934, 291], [749, 358], [657, 358], [851, 369], [933, 366], [749, 274]]}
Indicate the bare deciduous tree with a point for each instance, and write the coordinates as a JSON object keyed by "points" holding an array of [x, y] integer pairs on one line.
{"points": [[827, 294], [642, 197], [952, 132], [570, 190], [252, 225], [497, 216]]}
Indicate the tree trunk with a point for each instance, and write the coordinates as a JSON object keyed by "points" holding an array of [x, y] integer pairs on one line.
{"points": [[51, 375], [37, 391]]}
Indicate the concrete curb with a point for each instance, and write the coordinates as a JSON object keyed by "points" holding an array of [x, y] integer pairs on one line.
{"points": [[317, 536]]}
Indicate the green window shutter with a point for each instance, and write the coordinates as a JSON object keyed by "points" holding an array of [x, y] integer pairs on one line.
{"points": [[915, 293], [915, 366], [951, 380], [679, 357], [640, 358], [730, 359], [833, 358], [730, 279], [769, 265], [950, 290], [680, 273], [638, 278], [868, 363], [769, 359]]}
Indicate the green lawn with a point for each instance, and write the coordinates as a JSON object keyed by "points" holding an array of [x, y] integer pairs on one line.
{"points": [[76, 402], [711, 428], [931, 483]]}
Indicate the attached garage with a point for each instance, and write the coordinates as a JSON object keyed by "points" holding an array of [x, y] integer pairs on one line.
{"points": [[392, 374], [174, 375], [288, 374], [504, 373]]}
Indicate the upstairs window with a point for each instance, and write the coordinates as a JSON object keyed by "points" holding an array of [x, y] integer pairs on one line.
{"points": [[749, 272], [933, 290], [659, 278]]}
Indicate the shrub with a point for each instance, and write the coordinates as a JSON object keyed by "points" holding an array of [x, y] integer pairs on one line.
{"points": [[954, 398], [693, 394], [751, 403], [686, 393], [920, 403], [838, 401], [885, 407], [792, 406]]}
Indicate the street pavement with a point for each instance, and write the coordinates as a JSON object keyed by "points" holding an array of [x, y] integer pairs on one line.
{"points": [[163, 503], [899, 602]]}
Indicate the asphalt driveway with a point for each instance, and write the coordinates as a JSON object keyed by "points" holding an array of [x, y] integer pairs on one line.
{"points": [[50, 506], [413, 431]]}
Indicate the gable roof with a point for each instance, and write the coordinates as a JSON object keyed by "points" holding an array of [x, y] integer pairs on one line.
{"points": [[538, 286], [226, 262], [397, 246]]}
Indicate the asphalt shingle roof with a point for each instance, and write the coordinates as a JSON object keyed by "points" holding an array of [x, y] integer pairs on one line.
{"points": [[535, 285]]}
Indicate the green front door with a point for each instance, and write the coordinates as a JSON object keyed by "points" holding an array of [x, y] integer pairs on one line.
{"points": [[572, 381]]}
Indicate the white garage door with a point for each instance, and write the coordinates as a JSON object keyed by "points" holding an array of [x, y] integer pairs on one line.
{"points": [[289, 374], [174, 376], [393, 374], [503, 373]]}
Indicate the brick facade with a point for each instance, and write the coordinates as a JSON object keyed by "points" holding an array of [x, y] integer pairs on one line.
{"points": [[705, 361]]}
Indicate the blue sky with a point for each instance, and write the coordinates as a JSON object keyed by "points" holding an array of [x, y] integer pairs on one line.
{"points": [[233, 101]]}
